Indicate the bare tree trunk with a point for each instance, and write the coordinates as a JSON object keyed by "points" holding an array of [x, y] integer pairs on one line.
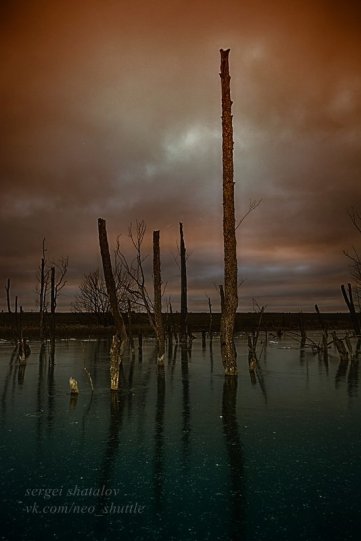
{"points": [[110, 282], [41, 296], [324, 333], [158, 297], [173, 323], [210, 324], [184, 303], [16, 323], [229, 355], [7, 288], [120, 337], [351, 306], [52, 302]]}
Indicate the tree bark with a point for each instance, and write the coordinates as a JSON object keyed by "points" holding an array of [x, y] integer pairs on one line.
{"points": [[120, 337], [7, 287], [158, 298], [184, 303], [351, 306], [210, 328], [110, 282], [229, 355]]}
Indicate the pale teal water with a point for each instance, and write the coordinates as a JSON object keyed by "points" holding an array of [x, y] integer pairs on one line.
{"points": [[277, 459]]}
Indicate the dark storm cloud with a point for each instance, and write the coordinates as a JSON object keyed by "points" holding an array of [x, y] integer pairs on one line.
{"points": [[112, 109]]}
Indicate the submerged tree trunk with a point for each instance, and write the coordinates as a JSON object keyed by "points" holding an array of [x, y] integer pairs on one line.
{"points": [[229, 309], [158, 298], [120, 338], [184, 303]]}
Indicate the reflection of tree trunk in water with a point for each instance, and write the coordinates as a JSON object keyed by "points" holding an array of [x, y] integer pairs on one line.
{"points": [[173, 360], [142, 397], [257, 376], [111, 451], [323, 361], [341, 373], [94, 353], [40, 395], [353, 379], [189, 348], [130, 384], [52, 351], [170, 347], [51, 395], [235, 457], [140, 347], [186, 428], [6, 385], [358, 347], [21, 372], [158, 475]]}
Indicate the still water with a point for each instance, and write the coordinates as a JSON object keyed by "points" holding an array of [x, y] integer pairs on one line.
{"points": [[180, 454]]}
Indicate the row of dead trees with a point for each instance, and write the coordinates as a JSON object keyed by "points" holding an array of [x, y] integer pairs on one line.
{"points": [[50, 280], [137, 290], [344, 346]]}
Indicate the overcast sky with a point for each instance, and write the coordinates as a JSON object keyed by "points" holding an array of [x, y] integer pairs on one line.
{"points": [[112, 109]]}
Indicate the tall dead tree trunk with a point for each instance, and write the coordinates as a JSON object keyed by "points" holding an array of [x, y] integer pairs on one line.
{"points": [[158, 298], [210, 328], [184, 303], [52, 302], [7, 288], [120, 337], [110, 282], [42, 297], [229, 309]]}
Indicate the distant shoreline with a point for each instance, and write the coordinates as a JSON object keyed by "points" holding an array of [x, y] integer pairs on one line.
{"points": [[72, 325]]}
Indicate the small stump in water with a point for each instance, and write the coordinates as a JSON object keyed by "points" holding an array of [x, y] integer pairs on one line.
{"points": [[73, 384]]}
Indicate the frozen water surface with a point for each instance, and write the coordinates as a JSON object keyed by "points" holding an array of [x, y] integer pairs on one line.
{"points": [[182, 454]]}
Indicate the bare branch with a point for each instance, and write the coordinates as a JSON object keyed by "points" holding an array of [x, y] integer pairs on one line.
{"points": [[253, 204], [355, 217]]}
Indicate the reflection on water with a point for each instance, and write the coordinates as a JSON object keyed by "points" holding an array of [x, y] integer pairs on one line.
{"points": [[180, 452], [159, 440], [235, 459]]}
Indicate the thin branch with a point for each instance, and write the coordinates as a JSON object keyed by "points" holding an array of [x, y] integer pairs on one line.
{"points": [[253, 204]]}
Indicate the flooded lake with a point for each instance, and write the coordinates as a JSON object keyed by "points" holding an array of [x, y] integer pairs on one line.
{"points": [[180, 453]]}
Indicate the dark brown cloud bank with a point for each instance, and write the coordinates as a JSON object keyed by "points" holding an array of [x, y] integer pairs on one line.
{"points": [[112, 109]]}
